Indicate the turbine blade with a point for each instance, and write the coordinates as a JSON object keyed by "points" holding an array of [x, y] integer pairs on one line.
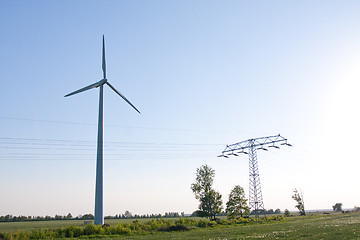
{"points": [[86, 88], [122, 96], [103, 58]]}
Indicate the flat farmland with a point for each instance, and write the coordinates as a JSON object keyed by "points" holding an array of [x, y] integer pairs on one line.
{"points": [[32, 225], [333, 226], [54, 224]]}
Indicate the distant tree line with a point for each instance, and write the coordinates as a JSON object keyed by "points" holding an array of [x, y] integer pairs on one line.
{"points": [[129, 215], [126, 215], [199, 213], [11, 218], [270, 211]]}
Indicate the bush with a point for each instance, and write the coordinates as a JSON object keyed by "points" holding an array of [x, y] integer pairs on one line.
{"points": [[174, 228], [223, 222], [37, 234], [276, 218], [121, 229], [70, 232], [211, 224], [186, 221], [240, 220], [159, 223], [202, 224], [89, 229]]}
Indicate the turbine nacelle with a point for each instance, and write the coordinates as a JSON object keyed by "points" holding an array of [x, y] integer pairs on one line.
{"points": [[102, 81]]}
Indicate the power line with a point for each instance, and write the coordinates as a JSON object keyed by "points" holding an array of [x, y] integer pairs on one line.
{"points": [[57, 149], [65, 142], [121, 126]]}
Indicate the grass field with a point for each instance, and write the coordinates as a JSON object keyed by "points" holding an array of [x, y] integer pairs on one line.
{"points": [[32, 225], [333, 226]]}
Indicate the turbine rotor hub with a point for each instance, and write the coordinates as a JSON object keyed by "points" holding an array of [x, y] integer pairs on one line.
{"points": [[101, 82]]}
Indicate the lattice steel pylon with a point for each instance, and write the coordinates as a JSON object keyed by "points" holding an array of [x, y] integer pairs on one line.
{"points": [[249, 147]]}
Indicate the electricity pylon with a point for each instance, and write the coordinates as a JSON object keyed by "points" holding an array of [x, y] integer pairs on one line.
{"points": [[249, 147]]}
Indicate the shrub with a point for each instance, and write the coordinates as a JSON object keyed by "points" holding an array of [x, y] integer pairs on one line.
{"points": [[202, 223], [121, 229], [70, 232], [276, 218], [37, 234], [211, 224], [174, 228], [223, 222], [186, 221], [158, 224], [240, 220], [179, 228], [89, 229]]}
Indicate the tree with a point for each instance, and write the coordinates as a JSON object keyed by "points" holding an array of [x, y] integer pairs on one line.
{"points": [[88, 216], [300, 201], [128, 214], [237, 203], [337, 207], [287, 213], [211, 204], [210, 200], [270, 211]]}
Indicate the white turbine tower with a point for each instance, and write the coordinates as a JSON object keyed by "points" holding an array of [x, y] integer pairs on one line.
{"points": [[99, 216]]}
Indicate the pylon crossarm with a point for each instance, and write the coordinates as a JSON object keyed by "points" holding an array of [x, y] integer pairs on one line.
{"points": [[259, 143]]}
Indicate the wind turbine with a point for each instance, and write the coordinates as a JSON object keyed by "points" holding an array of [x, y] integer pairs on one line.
{"points": [[99, 215]]}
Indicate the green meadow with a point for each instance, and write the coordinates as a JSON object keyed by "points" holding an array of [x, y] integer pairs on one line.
{"points": [[317, 226]]}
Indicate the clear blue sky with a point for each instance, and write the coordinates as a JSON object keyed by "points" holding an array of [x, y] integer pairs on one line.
{"points": [[203, 74]]}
